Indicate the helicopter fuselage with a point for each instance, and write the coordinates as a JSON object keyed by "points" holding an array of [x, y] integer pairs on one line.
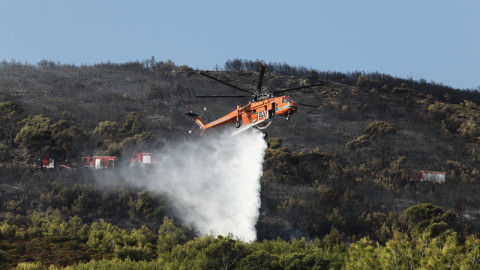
{"points": [[258, 112], [254, 113]]}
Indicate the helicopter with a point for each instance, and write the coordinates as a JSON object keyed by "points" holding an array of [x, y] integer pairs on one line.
{"points": [[259, 112]]}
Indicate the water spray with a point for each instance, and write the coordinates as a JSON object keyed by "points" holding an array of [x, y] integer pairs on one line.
{"points": [[213, 182]]}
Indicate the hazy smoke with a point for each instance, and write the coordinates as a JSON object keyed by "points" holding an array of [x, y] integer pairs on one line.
{"points": [[213, 182]]}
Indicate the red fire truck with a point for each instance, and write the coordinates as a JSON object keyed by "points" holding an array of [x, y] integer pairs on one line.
{"points": [[99, 162], [51, 163], [145, 160], [437, 177]]}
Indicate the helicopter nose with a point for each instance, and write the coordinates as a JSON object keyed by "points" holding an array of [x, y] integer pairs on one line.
{"points": [[294, 106]]}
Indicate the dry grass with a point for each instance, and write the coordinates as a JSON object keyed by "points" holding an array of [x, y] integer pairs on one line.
{"points": [[41, 250]]}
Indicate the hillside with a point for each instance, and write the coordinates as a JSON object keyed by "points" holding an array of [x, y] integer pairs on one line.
{"points": [[343, 165]]}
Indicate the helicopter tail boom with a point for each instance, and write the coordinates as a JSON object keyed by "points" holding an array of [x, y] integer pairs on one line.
{"points": [[197, 120]]}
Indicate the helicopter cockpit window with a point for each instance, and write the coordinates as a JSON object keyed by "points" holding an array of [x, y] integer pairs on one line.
{"points": [[283, 100], [288, 100]]}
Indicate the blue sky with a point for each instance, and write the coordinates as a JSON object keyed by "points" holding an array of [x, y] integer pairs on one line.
{"points": [[434, 40]]}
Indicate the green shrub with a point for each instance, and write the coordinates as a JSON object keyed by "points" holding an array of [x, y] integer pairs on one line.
{"points": [[470, 130], [260, 260], [357, 143], [135, 253], [3, 152], [51, 225], [362, 81], [117, 264], [169, 235], [3, 255], [7, 230], [105, 237], [31, 266], [21, 234], [379, 128], [84, 232]]}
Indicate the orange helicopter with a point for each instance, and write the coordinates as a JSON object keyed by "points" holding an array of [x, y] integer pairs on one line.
{"points": [[257, 113]]}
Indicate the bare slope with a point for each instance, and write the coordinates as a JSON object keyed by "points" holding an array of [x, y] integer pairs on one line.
{"points": [[435, 129]]}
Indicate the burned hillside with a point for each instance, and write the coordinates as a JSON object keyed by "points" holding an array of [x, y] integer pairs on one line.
{"points": [[345, 164]]}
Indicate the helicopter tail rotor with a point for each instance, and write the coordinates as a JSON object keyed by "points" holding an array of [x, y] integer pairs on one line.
{"points": [[197, 120]]}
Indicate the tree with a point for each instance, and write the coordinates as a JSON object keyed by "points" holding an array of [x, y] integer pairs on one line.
{"points": [[145, 204], [379, 129], [470, 130], [108, 129], [119, 139], [471, 257], [260, 260], [380, 132], [9, 115], [111, 132], [442, 252], [132, 124], [233, 65], [36, 136], [69, 140], [398, 253], [40, 137], [169, 235], [427, 216], [141, 142], [362, 81], [3, 152], [363, 254], [225, 252]]}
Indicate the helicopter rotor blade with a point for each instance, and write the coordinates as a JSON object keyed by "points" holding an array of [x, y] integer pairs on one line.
{"points": [[226, 83], [298, 88], [260, 79], [221, 96], [308, 105]]}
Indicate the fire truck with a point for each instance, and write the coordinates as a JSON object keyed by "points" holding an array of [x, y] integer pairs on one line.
{"points": [[437, 177], [52, 163], [145, 160], [99, 162]]}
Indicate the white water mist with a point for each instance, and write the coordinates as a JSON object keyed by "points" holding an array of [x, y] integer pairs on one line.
{"points": [[214, 182]]}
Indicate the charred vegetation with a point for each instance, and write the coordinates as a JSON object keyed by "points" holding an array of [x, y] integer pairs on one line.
{"points": [[338, 172]]}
